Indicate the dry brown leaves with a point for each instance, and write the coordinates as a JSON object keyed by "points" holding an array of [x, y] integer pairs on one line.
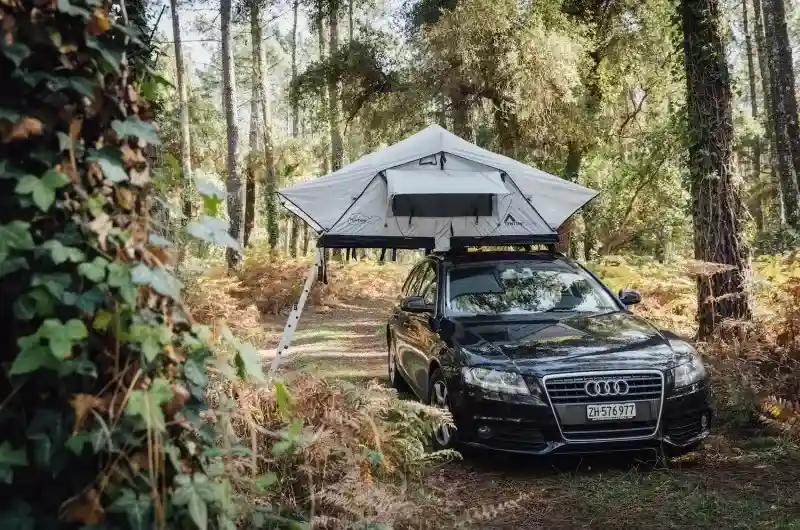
{"points": [[23, 128], [85, 509]]}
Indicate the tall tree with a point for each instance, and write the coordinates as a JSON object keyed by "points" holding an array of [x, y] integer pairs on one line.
{"points": [[787, 87], [255, 124], [183, 106], [294, 102], [717, 206], [271, 179], [235, 190], [776, 195], [334, 103], [295, 227], [757, 208], [779, 59]]}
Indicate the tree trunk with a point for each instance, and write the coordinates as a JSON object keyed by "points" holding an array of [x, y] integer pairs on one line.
{"points": [[255, 127], [337, 149], [235, 190], [294, 235], [776, 196], [572, 171], [324, 103], [717, 206], [461, 122], [295, 110], [306, 239], [784, 119], [270, 178], [757, 208], [350, 19], [185, 136], [783, 51]]}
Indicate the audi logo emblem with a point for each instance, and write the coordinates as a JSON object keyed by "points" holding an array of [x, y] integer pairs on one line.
{"points": [[617, 387]]}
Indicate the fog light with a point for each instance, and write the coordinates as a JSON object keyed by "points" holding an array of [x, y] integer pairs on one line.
{"points": [[484, 431], [704, 421]]}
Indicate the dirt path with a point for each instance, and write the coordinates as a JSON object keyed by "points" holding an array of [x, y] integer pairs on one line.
{"points": [[730, 484], [339, 340]]}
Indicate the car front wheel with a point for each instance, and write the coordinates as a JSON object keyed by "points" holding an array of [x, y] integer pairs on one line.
{"points": [[445, 436], [395, 379]]}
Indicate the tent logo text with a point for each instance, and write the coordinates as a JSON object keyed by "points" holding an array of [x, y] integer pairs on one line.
{"points": [[510, 221], [359, 219]]}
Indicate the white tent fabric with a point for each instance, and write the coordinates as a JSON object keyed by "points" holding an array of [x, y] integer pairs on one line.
{"points": [[388, 198]]}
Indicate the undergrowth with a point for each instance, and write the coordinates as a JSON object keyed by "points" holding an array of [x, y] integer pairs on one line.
{"points": [[335, 454]]}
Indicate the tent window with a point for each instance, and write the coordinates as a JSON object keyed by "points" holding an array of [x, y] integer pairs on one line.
{"points": [[443, 205]]}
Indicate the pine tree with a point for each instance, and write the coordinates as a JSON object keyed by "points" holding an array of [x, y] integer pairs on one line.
{"points": [[717, 207]]}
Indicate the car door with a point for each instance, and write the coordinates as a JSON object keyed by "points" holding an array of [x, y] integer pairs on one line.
{"points": [[400, 320], [421, 338]]}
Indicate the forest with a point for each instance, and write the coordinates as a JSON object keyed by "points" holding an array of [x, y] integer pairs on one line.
{"points": [[147, 266]]}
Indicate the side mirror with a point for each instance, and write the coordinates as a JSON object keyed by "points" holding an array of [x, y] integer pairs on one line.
{"points": [[415, 304], [629, 297]]}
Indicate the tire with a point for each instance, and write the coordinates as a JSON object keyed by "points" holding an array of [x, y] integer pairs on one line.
{"points": [[444, 437], [395, 378]]}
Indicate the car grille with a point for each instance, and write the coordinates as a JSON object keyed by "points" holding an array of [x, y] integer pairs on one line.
{"points": [[566, 391], [570, 389], [609, 430]]}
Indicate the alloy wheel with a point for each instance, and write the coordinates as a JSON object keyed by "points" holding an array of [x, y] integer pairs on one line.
{"points": [[444, 433], [392, 362]]}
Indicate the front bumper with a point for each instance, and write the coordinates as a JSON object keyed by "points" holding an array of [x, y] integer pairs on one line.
{"points": [[520, 424]]}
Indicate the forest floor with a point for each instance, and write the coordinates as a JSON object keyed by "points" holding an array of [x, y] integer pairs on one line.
{"points": [[734, 482]]}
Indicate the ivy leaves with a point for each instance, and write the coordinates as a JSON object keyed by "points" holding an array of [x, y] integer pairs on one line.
{"points": [[42, 190], [132, 126], [15, 235], [145, 405], [9, 459], [49, 346]]}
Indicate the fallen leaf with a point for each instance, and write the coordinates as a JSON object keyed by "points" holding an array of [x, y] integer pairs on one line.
{"points": [[99, 23], [140, 178], [24, 128], [126, 198], [101, 226], [86, 509], [139, 462], [82, 404], [179, 398], [159, 253], [131, 156]]}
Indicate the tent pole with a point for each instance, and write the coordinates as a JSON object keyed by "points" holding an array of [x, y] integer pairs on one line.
{"points": [[294, 316]]}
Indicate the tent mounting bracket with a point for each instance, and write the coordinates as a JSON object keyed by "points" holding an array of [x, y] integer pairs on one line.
{"points": [[290, 328]]}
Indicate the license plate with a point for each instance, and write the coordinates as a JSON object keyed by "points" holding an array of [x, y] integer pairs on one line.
{"points": [[614, 411]]}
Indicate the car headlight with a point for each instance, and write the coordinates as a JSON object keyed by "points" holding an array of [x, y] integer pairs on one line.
{"points": [[689, 372], [495, 380]]}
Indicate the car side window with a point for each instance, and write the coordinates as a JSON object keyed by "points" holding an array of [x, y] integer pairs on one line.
{"points": [[427, 288], [412, 281]]}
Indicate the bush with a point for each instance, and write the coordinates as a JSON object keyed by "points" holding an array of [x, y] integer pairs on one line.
{"points": [[339, 455]]}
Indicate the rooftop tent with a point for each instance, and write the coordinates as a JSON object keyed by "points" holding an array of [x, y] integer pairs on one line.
{"points": [[434, 190]]}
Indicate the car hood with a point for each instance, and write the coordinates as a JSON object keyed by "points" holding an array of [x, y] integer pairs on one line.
{"points": [[567, 343]]}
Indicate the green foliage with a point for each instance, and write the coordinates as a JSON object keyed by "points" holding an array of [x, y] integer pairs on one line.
{"points": [[103, 370], [776, 241]]}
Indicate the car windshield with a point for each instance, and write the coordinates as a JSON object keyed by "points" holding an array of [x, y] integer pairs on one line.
{"points": [[524, 287]]}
